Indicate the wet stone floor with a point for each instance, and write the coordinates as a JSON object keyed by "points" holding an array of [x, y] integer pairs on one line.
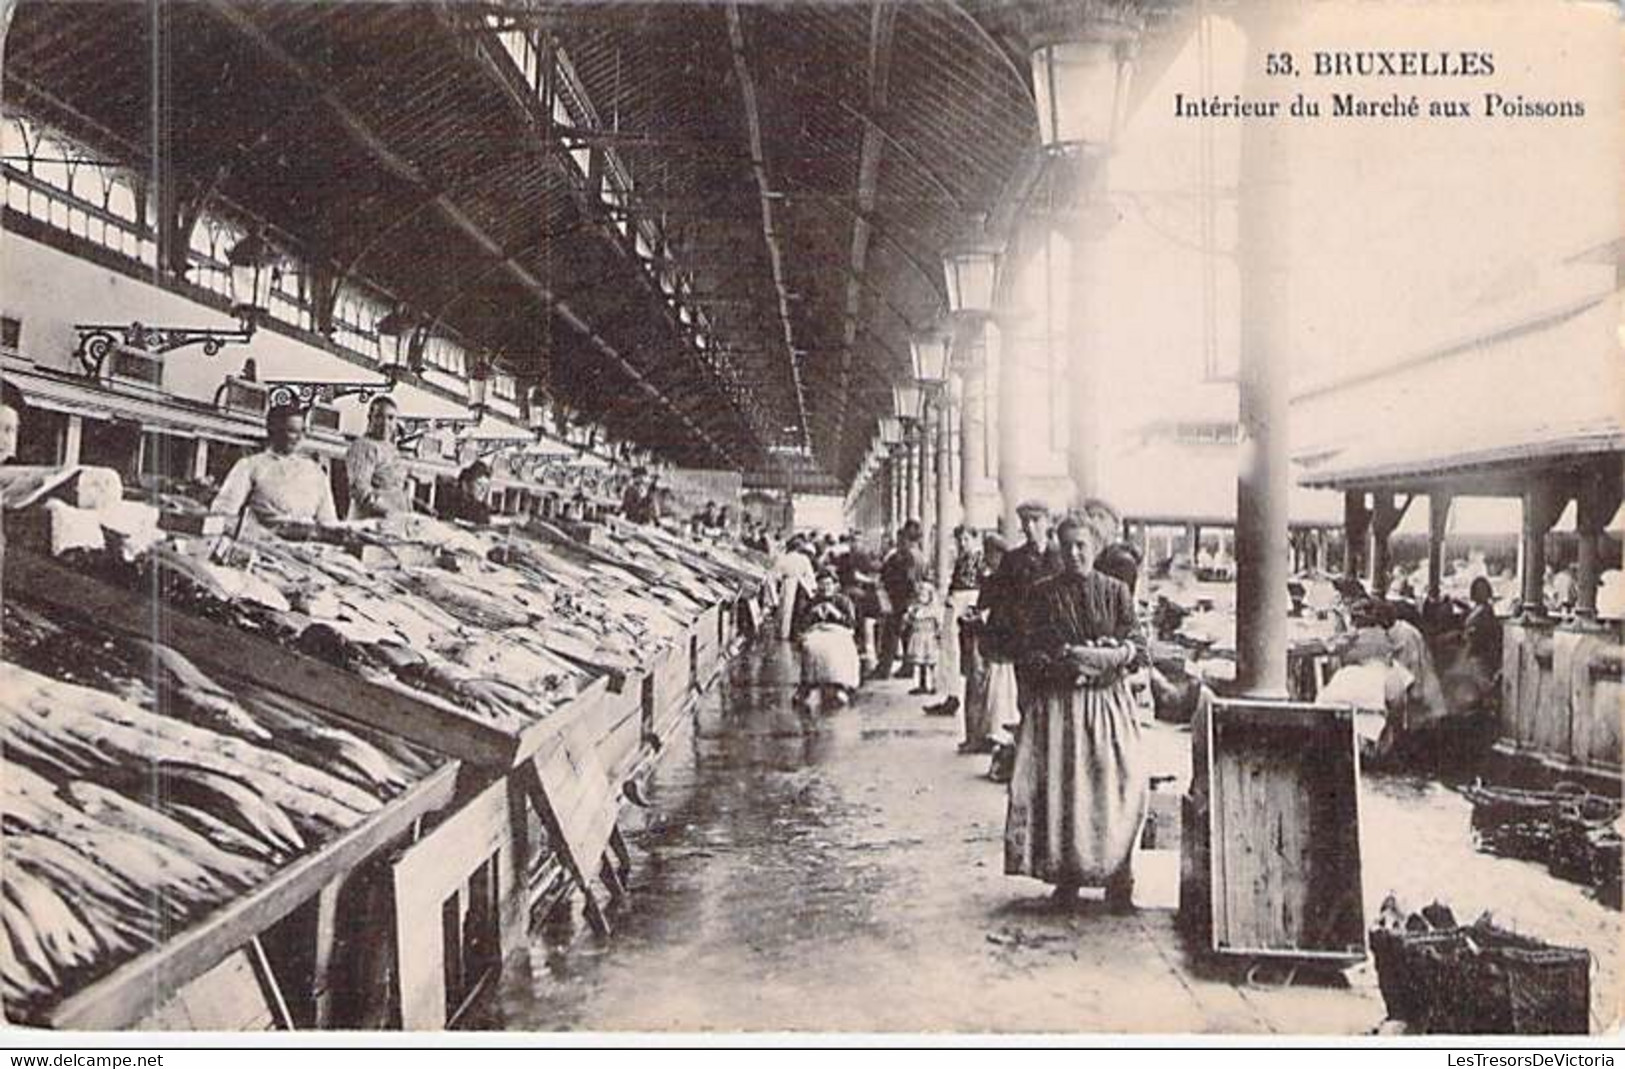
{"points": [[842, 871]]}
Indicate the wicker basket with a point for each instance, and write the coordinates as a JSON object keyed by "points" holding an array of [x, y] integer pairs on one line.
{"points": [[1482, 979]]}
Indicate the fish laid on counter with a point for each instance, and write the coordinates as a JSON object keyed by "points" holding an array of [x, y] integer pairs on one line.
{"points": [[115, 910], [114, 809], [338, 752], [46, 935], [229, 800], [96, 736], [196, 697], [179, 886]]}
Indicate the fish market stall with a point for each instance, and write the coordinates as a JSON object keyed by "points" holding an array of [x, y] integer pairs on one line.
{"points": [[290, 711]]}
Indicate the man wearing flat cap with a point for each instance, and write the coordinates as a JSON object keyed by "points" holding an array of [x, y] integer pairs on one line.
{"points": [[1008, 599]]}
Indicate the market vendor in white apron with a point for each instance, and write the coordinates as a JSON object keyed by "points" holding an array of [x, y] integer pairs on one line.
{"points": [[377, 471], [1078, 792], [280, 484], [829, 654]]}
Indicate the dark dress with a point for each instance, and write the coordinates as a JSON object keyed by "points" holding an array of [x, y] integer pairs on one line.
{"points": [[1483, 634], [1077, 795], [459, 504]]}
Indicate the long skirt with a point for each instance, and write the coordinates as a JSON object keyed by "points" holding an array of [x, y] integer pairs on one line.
{"points": [[1078, 792], [1003, 697], [952, 668], [979, 724], [829, 656]]}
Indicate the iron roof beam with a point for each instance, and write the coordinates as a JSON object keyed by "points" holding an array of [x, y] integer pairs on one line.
{"points": [[882, 21], [753, 130], [408, 173]]}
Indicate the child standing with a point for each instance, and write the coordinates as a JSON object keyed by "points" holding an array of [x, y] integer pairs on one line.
{"points": [[924, 621]]}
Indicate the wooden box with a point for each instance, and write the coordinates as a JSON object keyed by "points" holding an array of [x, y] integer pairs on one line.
{"points": [[1272, 843]]}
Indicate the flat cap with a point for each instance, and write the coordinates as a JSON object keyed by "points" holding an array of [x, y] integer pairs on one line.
{"points": [[1032, 507]]}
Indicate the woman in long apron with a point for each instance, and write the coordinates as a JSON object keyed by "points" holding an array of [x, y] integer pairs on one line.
{"points": [[980, 722], [1078, 791]]}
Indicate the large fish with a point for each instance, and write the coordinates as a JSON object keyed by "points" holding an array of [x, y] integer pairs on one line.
{"points": [[195, 697], [128, 741], [226, 836], [339, 752], [230, 800], [46, 935], [115, 810], [120, 914], [20, 984]]}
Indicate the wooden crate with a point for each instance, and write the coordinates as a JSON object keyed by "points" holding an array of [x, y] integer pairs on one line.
{"points": [[1279, 870]]}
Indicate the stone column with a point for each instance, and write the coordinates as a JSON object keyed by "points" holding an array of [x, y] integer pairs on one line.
{"points": [[1356, 527], [1264, 478], [1596, 503], [1012, 457], [972, 439], [945, 493], [1542, 504], [916, 475]]}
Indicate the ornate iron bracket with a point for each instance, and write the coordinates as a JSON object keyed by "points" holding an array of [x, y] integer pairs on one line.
{"points": [[409, 430], [488, 446], [98, 340], [307, 394]]}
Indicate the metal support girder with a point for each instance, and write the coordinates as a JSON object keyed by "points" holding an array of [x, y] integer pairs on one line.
{"points": [[554, 148], [753, 130], [882, 21], [407, 172]]}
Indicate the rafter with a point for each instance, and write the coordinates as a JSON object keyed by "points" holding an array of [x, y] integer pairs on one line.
{"points": [[882, 20], [407, 172], [753, 130]]}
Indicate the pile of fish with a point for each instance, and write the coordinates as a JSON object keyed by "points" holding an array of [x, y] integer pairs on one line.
{"points": [[504, 624], [122, 825]]}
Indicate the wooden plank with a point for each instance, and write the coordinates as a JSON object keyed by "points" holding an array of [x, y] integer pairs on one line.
{"points": [[431, 871], [1554, 726], [531, 774], [226, 998], [134, 989], [322, 971], [399, 710]]}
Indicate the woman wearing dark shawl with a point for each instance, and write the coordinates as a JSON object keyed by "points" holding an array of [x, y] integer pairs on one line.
{"points": [[1078, 793]]}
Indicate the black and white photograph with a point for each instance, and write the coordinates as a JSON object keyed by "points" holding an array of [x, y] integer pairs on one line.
{"points": [[990, 521]]}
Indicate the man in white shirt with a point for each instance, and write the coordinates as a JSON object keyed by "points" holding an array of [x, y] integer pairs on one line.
{"points": [[281, 483]]}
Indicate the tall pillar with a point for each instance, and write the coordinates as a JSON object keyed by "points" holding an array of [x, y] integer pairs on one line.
{"points": [[911, 463], [1080, 343], [1385, 516], [1356, 526], [1438, 526], [930, 419], [894, 489], [1012, 458], [945, 493], [1597, 501], [972, 441], [1264, 478], [1542, 504]]}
